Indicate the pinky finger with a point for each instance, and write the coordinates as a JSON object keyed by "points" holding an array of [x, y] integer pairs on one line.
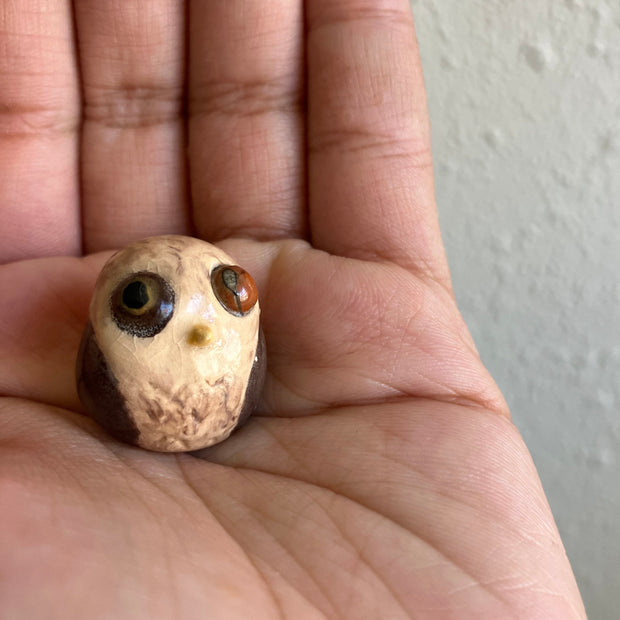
{"points": [[39, 118]]}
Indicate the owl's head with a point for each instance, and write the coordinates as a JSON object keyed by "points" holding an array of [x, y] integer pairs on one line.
{"points": [[169, 360]]}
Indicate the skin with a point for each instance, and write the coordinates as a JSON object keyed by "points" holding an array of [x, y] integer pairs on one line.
{"points": [[383, 477]]}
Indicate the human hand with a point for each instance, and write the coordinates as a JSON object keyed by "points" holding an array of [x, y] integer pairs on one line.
{"points": [[381, 477]]}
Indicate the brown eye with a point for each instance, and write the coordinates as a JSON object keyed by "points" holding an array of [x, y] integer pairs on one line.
{"points": [[234, 288], [142, 304]]}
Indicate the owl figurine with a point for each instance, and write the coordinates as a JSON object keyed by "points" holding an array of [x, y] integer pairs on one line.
{"points": [[173, 356]]}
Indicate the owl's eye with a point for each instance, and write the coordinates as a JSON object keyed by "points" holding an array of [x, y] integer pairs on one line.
{"points": [[137, 297], [142, 304], [234, 288]]}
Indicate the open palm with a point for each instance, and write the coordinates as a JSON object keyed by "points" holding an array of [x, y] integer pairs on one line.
{"points": [[381, 477]]}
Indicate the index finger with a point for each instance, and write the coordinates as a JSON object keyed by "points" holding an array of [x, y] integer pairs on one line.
{"points": [[370, 174]]}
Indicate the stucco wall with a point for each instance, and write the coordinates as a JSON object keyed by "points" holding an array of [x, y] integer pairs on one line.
{"points": [[525, 107]]}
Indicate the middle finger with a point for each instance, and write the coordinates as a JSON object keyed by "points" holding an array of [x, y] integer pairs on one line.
{"points": [[246, 121]]}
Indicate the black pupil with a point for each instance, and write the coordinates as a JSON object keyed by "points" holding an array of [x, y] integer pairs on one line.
{"points": [[135, 295]]}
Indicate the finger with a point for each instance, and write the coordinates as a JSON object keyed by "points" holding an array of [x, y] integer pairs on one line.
{"points": [[246, 124], [39, 116], [133, 166], [370, 178]]}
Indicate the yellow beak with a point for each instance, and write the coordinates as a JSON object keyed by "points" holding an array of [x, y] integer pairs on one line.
{"points": [[199, 335]]}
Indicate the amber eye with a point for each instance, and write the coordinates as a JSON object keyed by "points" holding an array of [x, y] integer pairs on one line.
{"points": [[234, 288], [142, 304]]}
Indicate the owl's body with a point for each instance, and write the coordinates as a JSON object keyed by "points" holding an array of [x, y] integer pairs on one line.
{"points": [[185, 368]]}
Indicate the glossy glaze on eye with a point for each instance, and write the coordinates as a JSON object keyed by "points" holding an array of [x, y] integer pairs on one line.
{"points": [[142, 304], [173, 357], [235, 289]]}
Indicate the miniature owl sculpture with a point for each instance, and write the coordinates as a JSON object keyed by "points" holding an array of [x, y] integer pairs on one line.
{"points": [[173, 357]]}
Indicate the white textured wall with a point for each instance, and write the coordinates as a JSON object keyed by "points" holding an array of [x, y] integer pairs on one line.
{"points": [[525, 106]]}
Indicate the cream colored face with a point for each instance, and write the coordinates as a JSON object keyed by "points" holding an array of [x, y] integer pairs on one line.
{"points": [[185, 385]]}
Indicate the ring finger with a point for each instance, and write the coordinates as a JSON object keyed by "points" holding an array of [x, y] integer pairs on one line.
{"points": [[132, 57]]}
